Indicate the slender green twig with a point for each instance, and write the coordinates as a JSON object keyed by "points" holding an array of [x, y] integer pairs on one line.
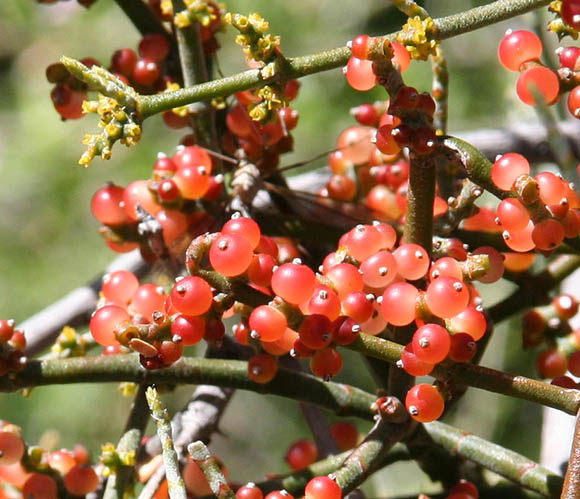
{"points": [[571, 489], [216, 480], [119, 482], [343, 399], [446, 27], [367, 457], [479, 376], [494, 457], [159, 413], [194, 68], [535, 293]]}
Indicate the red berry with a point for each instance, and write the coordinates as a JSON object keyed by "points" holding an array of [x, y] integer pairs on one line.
{"points": [[104, 321], [326, 363], [154, 46], [192, 296], [508, 168], [245, 227], [11, 448], [538, 80], [268, 323], [360, 46], [81, 480], [424, 403], [398, 305], [345, 435], [463, 347], [301, 454], [146, 71], [231, 254], [293, 282], [262, 368], [190, 329], [518, 47], [360, 75], [322, 487], [431, 343]]}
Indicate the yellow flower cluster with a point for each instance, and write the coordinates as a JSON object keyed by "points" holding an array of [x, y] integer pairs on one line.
{"points": [[69, 344], [196, 11], [416, 36], [113, 459], [181, 110], [117, 125], [558, 25], [272, 99], [256, 44]]}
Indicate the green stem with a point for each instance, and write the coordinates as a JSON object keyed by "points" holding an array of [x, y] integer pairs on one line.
{"points": [[506, 463], [216, 480], [120, 482], [478, 376], [343, 399], [367, 457], [534, 293], [194, 69], [446, 27], [420, 196], [571, 489], [159, 413]]}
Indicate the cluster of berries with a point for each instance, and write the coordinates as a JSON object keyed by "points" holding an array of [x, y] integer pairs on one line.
{"points": [[543, 211], [46, 474], [12, 345], [261, 143], [173, 195], [549, 326], [320, 487]]}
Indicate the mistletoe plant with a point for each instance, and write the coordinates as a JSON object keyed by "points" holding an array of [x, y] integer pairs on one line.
{"points": [[384, 259]]}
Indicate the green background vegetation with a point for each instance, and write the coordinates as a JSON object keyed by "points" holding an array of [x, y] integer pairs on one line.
{"points": [[49, 242]]}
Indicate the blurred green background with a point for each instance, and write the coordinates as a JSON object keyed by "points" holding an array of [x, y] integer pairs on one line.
{"points": [[49, 242]]}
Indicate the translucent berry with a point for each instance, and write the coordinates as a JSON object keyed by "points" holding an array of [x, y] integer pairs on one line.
{"points": [[81, 480], [471, 321], [231, 254], [398, 305], [379, 270], [316, 331], [508, 168], [326, 363], [447, 296], [249, 491], [262, 368], [301, 454], [412, 364], [518, 47], [11, 448], [190, 329], [360, 46], [40, 486], [293, 282], [570, 13], [148, 299], [104, 321], [245, 227], [496, 265], [512, 214], [154, 46], [424, 403], [193, 181], [358, 306], [551, 363], [548, 234], [106, 205], [192, 296], [268, 323], [521, 240], [462, 348], [431, 343], [538, 85], [355, 144], [345, 278], [146, 71], [345, 435], [120, 286], [412, 261], [360, 75], [322, 487]]}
